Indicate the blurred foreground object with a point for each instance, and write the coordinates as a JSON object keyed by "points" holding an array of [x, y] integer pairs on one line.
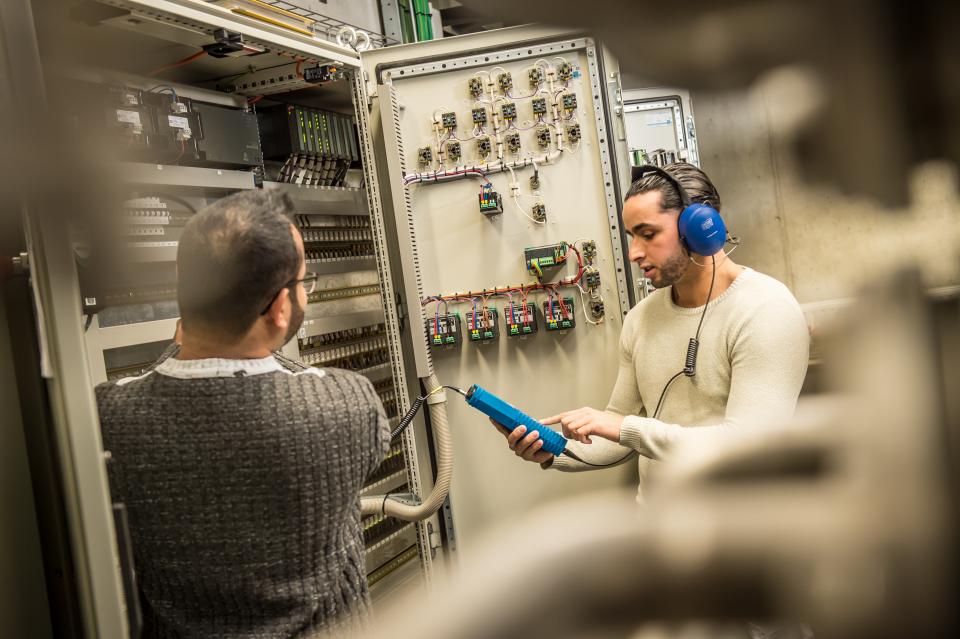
{"points": [[847, 521], [888, 70]]}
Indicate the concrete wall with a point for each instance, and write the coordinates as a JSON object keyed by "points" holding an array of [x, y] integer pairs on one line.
{"points": [[821, 243]]}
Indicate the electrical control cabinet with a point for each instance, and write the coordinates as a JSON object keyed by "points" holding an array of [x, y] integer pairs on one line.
{"points": [[543, 145], [281, 116], [659, 126]]}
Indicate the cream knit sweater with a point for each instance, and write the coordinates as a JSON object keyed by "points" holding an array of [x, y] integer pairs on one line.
{"points": [[752, 360]]}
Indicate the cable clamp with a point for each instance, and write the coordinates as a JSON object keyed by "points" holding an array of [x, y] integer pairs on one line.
{"points": [[437, 396]]}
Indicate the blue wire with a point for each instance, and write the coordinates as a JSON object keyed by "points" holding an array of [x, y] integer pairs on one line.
{"points": [[164, 86]]}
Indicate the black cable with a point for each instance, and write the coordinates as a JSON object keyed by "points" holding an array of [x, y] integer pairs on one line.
{"points": [[407, 419], [86, 325], [690, 363]]}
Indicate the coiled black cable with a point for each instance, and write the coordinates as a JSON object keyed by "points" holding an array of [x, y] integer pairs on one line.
{"points": [[407, 419]]}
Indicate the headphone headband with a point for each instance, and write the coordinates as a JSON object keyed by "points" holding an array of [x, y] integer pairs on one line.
{"points": [[637, 173]]}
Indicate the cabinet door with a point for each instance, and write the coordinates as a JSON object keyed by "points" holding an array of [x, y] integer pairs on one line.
{"points": [[497, 182]]}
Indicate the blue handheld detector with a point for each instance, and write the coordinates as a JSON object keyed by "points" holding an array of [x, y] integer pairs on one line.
{"points": [[510, 417]]}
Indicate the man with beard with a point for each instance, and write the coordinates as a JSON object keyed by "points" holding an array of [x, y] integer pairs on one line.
{"points": [[747, 370], [241, 470]]}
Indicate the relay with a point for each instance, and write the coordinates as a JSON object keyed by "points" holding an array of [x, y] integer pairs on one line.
{"points": [[591, 279], [558, 314], [482, 324], [520, 319], [444, 330]]}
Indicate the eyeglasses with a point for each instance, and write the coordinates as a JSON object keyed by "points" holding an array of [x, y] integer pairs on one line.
{"points": [[309, 282]]}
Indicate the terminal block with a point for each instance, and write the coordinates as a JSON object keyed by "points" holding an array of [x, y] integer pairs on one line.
{"points": [[482, 324], [564, 71], [569, 101], [538, 258], [573, 132], [543, 136], [454, 151], [589, 251], [539, 106], [508, 110], [505, 81], [558, 314], [425, 155], [444, 330], [520, 319], [539, 212], [479, 115], [475, 87], [484, 146], [449, 120], [536, 76], [490, 202], [591, 279], [513, 142]]}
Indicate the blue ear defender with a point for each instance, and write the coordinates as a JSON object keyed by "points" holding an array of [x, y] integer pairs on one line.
{"points": [[701, 228]]}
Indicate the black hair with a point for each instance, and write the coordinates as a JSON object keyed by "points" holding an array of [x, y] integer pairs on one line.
{"points": [[694, 181], [233, 258]]}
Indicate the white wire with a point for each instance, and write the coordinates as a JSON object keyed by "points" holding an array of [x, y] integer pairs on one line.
{"points": [[539, 60], [736, 245], [583, 305]]}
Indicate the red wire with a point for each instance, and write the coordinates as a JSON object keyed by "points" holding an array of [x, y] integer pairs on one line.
{"points": [[255, 99], [183, 149], [179, 63]]}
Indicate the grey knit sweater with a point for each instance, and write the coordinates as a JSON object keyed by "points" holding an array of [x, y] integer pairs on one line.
{"points": [[242, 480]]}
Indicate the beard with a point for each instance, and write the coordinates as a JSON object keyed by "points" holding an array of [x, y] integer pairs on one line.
{"points": [[296, 319], [670, 272]]}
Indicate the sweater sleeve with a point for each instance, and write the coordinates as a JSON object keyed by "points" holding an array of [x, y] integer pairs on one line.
{"points": [[625, 400], [376, 417], [768, 364]]}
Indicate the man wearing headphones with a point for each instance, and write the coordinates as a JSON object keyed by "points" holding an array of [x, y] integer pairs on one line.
{"points": [[716, 347]]}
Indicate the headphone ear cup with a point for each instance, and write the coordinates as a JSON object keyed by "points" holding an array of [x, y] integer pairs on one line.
{"points": [[702, 230]]}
